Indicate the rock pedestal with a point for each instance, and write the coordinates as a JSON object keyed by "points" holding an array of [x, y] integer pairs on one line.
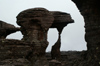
{"points": [[61, 19], [34, 26]]}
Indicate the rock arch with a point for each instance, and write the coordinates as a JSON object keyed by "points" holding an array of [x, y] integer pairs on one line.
{"points": [[91, 12]]}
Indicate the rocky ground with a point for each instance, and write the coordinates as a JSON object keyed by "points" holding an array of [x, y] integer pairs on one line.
{"points": [[19, 53], [71, 58], [68, 58]]}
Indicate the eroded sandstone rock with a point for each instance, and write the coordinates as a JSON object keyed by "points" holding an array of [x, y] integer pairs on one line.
{"points": [[6, 29], [34, 26], [61, 19], [91, 12]]}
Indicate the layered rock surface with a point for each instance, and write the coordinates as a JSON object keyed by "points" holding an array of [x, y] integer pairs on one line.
{"points": [[6, 29], [34, 26], [90, 10]]}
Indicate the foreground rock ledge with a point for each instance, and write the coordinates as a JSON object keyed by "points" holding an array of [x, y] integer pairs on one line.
{"points": [[11, 50]]}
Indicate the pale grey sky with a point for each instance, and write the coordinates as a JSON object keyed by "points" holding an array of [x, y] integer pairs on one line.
{"points": [[72, 35]]}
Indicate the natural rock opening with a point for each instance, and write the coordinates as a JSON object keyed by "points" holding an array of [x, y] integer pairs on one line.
{"points": [[52, 38], [77, 32], [91, 12], [67, 6], [34, 24], [18, 35], [12, 50]]}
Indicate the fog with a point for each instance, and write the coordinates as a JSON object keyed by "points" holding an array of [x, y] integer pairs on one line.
{"points": [[72, 37]]}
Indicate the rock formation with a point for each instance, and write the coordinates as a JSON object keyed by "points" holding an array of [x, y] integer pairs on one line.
{"points": [[6, 29], [24, 50], [61, 20], [14, 52], [91, 12], [34, 26]]}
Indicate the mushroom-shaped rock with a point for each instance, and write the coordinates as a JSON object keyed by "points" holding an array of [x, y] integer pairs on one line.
{"points": [[35, 23], [61, 19], [6, 29]]}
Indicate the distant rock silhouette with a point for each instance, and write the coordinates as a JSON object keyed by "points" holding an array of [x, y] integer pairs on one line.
{"points": [[6, 29], [30, 51]]}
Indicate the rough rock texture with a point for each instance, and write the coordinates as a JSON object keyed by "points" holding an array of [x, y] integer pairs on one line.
{"points": [[17, 53], [34, 26], [6, 29], [61, 20], [36, 22], [15, 62], [13, 50], [54, 63], [90, 9], [30, 50], [70, 58]]}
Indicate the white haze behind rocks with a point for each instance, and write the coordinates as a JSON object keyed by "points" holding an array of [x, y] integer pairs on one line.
{"points": [[72, 37]]}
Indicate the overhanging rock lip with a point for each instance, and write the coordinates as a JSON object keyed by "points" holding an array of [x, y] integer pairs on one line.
{"points": [[61, 17]]}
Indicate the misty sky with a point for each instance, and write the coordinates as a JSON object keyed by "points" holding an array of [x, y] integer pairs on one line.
{"points": [[72, 35]]}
